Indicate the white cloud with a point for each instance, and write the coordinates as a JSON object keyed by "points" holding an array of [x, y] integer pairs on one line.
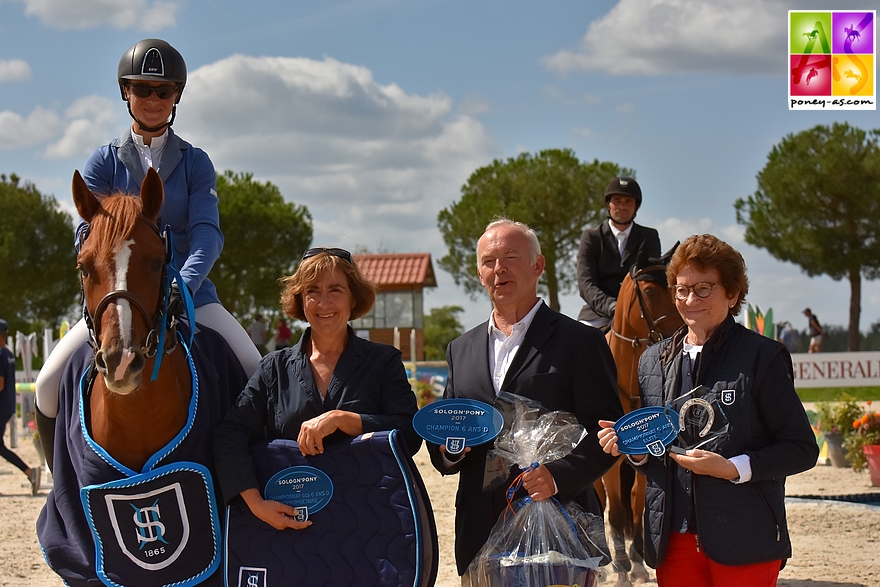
{"points": [[143, 15], [559, 95], [17, 131], [14, 70], [782, 286], [373, 163], [88, 123], [583, 131], [674, 36]]}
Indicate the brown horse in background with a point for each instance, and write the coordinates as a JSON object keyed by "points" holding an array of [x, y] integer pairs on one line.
{"points": [[645, 315]]}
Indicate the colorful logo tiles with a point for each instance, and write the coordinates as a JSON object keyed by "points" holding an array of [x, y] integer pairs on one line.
{"points": [[832, 60]]}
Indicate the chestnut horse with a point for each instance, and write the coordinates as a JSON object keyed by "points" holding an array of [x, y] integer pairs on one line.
{"points": [[136, 412], [645, 315], [123, 263]]}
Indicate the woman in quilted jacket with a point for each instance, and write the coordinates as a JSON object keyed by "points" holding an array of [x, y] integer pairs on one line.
{"points": [[714, 505]]}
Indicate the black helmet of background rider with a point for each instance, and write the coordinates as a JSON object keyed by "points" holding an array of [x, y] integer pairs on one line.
{"points": [[625, 186], [152, 60]]}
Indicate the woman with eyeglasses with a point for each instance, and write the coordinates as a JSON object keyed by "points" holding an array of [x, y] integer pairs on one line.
{"points": [[715, 516], [151, 77], [329, 385]]}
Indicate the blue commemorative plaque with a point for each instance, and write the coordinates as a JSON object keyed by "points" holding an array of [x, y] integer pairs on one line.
{"points": [[306, 489], [646, 431], [458, 423]]}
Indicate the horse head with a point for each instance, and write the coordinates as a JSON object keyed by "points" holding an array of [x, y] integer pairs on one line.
{"points": [[123, 263], [651, 290]]}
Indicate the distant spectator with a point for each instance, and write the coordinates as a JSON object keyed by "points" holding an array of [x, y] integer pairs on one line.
{"points": [[816, 332], [789, 337], [282, 337], [257, 332], [7, 408]]}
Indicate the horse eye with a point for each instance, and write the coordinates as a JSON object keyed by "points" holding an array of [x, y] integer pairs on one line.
{"points": [[82, 270], [157, 265]]}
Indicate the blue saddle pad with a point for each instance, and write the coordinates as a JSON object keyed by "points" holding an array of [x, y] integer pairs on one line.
{"points": [[377, 530]]}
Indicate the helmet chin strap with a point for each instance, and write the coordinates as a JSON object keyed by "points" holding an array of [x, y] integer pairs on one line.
{"points": [[152, 128]]}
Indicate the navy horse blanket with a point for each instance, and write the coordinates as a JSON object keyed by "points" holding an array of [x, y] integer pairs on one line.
{"points": [[376, 530], [105, 524]]}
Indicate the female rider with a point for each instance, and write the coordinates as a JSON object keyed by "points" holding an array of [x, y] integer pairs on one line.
{"points": [[152, 76]]}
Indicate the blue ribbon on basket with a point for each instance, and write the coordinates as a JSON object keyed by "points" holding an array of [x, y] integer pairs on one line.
{"points": [[517, 483]]}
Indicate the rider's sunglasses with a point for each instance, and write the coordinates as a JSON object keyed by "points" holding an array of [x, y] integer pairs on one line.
{"points": [[144, 91], [702, 289], [341, 253]]}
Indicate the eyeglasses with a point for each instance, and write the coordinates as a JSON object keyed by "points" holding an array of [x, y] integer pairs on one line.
{"points": [[144, 91], [341, 253], [702, 289]]}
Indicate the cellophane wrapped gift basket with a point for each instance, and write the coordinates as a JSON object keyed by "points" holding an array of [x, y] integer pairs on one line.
{"points": [[538, 543]]}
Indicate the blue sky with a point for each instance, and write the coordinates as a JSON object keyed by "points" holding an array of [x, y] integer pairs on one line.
{"points": [[374, 113]]}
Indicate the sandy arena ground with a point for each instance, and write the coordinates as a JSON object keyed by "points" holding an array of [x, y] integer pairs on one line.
{"points": [[835, 544]]}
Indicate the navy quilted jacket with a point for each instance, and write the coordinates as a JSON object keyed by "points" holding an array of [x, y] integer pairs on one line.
{"points": [[737, 523]]}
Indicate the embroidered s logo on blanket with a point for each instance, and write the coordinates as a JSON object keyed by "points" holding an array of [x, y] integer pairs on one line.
{"points": [[149, 529]]}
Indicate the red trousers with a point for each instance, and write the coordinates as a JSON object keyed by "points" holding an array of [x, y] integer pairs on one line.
{"points": [[685, 566]]}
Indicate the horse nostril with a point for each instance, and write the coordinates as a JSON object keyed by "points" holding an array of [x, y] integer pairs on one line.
{"points": [[100, 362], [137, 363]]}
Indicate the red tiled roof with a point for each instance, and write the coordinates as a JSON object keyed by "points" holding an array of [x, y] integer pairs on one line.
{"points": [[398, 269]]}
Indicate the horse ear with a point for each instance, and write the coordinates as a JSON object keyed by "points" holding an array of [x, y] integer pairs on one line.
{"points": [[667, 256], [86, 203], [152, 194], [642, 259]]}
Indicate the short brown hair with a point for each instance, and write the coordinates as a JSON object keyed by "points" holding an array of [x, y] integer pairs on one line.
{"points": [[707, 251], [312, 270]]}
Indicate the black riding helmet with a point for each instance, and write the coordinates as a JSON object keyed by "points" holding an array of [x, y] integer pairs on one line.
{"points": [[625, 186], [152, 60]]}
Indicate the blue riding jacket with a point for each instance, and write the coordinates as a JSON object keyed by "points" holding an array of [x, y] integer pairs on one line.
{"points": [[190, 207]]}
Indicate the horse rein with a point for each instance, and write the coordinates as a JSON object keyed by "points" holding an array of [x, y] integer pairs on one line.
{"points": [[156, 322], [654, 336]]}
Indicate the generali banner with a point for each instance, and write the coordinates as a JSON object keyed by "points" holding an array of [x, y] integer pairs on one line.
{"points": [[836, 369]]}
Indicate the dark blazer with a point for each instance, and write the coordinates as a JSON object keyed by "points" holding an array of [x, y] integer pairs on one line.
{"points": [[369, 380], [561, 363], [601, 270]]}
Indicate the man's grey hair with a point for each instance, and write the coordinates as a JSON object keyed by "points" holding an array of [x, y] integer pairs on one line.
{"points": [[534, 244]]}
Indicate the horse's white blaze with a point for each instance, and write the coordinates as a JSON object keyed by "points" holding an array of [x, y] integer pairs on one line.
{"points": [[123, 307]]}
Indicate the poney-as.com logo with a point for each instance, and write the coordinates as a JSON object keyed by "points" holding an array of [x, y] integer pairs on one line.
{"points": [[832, 61]]}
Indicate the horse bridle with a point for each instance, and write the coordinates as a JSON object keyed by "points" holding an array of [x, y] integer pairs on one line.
{"points": [[654, 335], [157, 322]]}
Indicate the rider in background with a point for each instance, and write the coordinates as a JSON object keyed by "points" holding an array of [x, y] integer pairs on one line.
{"points": [[608, 251], [152, 76]]}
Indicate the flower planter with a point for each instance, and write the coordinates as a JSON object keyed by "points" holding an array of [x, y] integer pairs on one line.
{"points": [[836, 452], [872, 455]]}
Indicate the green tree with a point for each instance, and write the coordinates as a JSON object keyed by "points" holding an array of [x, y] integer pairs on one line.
{"points": [[552, 192], [264, 239], [39, 285], [818, 206], [441, 327]]}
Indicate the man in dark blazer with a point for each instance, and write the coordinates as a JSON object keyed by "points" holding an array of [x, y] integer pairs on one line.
{"points": [[527, 349], [601, 266]]}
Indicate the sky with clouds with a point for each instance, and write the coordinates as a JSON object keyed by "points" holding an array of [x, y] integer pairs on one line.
{"points": [[373, 113]]}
